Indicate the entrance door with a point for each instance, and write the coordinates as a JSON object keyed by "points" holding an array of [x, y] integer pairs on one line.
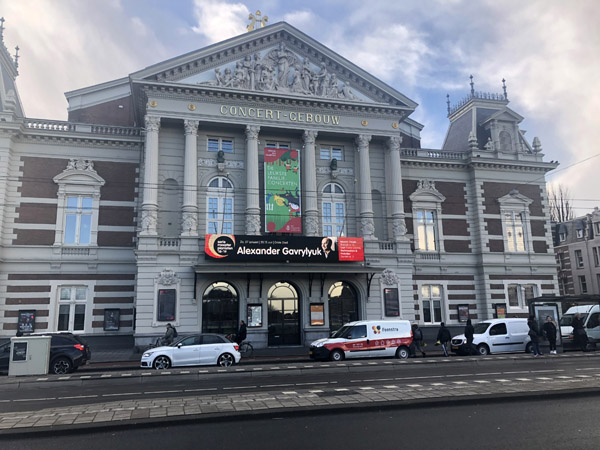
{"points": [[284, 319]]}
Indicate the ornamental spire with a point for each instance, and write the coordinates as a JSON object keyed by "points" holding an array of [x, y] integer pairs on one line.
{"points": [[257, 17]]}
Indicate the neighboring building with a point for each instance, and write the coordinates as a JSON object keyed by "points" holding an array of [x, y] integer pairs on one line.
{"points": [[110, 221], [577, 250]]}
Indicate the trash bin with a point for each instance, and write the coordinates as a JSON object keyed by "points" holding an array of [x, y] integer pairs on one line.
{"points": [[29, 355]]}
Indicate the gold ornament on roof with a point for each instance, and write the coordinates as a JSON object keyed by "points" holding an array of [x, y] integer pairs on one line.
{"points": [[257, 17]]}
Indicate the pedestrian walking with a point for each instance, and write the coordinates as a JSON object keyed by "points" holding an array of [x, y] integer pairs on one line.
{"points": [[417, 342], [579, 335], [444, 337], [241, 334], [469, 335], [534, 334], [549, 329]]}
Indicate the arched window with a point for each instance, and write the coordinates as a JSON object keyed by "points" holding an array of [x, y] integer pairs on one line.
{"points": [[334, 210], [220, 309], [220, 206], [343, 305]]}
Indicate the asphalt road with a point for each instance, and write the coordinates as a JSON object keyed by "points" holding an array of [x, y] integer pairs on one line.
{"points": [[541, 424], [132, 385]]}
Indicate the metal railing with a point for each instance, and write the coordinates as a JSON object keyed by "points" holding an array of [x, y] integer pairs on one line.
{"points": [[70, 127]]}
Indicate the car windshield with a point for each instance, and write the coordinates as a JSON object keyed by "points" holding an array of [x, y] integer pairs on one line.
{"points": [[481, 327], [567, 319], [342, 332]]}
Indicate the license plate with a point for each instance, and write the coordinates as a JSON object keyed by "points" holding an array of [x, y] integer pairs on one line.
{"points": [[454, 347], [310, 352]]}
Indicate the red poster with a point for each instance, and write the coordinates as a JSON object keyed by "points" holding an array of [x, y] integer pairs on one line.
{"points": [[351, 249]]}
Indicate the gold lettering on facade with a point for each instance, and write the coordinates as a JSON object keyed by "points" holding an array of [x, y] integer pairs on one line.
{"points": [[293, 116]]}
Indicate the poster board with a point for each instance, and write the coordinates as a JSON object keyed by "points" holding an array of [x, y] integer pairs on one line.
{"points": [[463, 313], [317, 314], [112, 319], [26, 322], [391, 302], [254, 317]]}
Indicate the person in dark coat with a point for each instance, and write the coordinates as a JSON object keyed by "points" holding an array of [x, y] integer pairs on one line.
{"points": [[534, 334], [417, 342], [549, 329], [167, 339], [469, 335], [579, 334], [444, 337], [241, 334]]}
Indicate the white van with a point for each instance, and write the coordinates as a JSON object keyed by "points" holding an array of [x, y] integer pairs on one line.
{"points": [[497, 336], [366, 338], [591, 322]]}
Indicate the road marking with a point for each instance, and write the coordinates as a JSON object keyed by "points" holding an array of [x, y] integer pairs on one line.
{"points": [[106, 376], [523, 379], [275, 385], [366, 388], [184, 372], [238, 387], [414, 385], [438, 384], [459, 382], [563, 377], [391, 386], [33, 399], [161, 392], [126, 374], [289, 393], [146, 374], [275, 368], [481, 381], [42, 379], [122, 394], [490, 373], [582, 376], [64, 378], [502, 380], [316, 391], [200, 390], [77, 396], [543, 378], [85, 377], [357, 364], [341, 389], [311, 384], [257, 368]]}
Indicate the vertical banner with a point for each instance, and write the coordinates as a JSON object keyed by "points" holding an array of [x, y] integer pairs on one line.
{"points": [[282, 191]]}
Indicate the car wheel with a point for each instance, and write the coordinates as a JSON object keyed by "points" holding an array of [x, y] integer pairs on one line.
{"points": [[226, 360], [529, 348], [161, 363], [402, 353], [483, 350], [61, 366], [336, 355]]}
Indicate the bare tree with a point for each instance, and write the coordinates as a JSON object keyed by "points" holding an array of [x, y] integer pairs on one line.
{"points": [[560, 201]]}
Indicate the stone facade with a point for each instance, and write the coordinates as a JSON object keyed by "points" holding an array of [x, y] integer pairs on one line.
{"points": [[465, 225]]}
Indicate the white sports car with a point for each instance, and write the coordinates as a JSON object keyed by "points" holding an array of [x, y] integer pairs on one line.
{"points": [[196, 350]]}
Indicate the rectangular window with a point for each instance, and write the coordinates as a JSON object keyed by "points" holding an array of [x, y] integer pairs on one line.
{"points": [[333, 219], [329, 152], [513, 296], [597, 228], [580, 233], [564, 289], [530, 290], [166, 305], [431, 297], [515, 235], [595, 253], [579, 258], [71, 308], [562, 237], [220, 215], [216, 144], [561, 260], [426, 230], [278, 144], [583, 284], [78, 220], [391, 301]]}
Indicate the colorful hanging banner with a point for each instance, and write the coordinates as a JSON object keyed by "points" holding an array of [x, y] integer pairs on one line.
{"points": [[282, 191]]}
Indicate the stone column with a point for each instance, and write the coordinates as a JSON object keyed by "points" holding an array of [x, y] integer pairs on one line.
{"points": [[189, 224], [252, 188], [150, 191], [309, 181], [367, 224], [396, 202]]}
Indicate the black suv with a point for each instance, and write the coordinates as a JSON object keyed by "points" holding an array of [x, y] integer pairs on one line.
{"points": [[67, 352]]}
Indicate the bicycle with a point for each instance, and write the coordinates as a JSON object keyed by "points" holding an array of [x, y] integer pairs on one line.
{"points": [[246, 349]]}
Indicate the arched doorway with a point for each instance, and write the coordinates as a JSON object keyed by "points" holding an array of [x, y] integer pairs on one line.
{"points": [[284, 318], [220, 309], [343, 305]]}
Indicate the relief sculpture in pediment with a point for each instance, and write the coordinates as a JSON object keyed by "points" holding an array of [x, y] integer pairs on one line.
{"points": [[281, 70]]}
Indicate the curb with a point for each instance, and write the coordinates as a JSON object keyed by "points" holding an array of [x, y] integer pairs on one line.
{"points": [[304, 411]]}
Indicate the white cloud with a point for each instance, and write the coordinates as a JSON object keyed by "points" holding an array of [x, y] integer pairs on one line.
{"points": [[219, 20]]}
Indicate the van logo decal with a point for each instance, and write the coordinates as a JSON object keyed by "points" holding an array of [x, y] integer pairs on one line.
{"points": [[376, 329]]}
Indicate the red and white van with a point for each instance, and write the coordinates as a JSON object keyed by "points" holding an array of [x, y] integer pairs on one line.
{"points": [[363, 339]]}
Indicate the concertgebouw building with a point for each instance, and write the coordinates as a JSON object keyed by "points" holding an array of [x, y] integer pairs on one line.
{"points": [[264, 178]]}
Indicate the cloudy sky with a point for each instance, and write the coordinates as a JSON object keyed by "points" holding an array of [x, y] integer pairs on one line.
{"points": [[547, 50]]}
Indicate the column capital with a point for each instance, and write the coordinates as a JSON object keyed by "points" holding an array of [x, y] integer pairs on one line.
{"points": [[252, 131], [310, 136], [152, 123], [393, 143], [362, 140], [191, 126]]}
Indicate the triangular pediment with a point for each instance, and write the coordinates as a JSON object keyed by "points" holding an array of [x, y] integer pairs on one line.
{"points": [[278, 59], [504, 115]]}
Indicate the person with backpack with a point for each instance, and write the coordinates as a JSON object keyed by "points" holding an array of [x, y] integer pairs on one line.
{"points": [[444, 337], [170, 335], [417, 342], [469, 335]]}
